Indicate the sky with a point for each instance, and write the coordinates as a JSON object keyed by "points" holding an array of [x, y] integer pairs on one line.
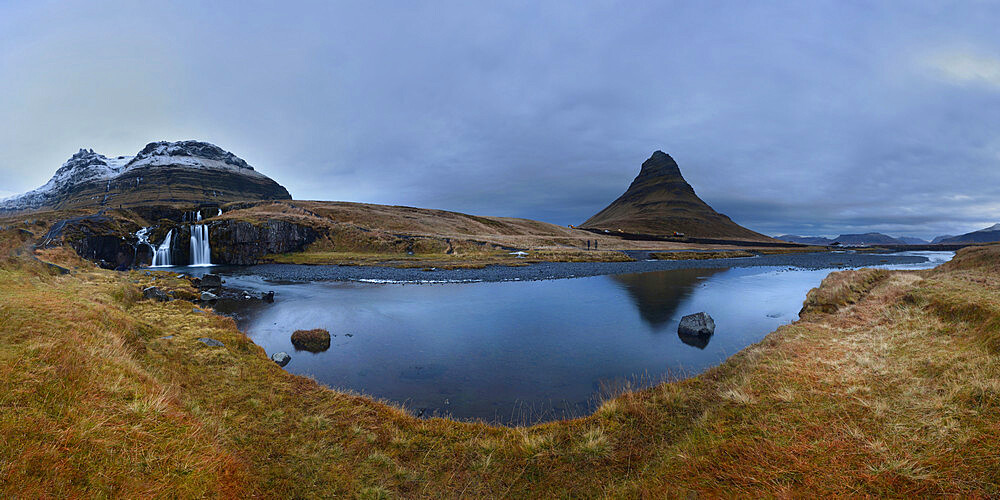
{"points": [[801, 117]]}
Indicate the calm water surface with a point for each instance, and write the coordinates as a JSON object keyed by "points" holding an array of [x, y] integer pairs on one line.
{"points": [[516, 352]]}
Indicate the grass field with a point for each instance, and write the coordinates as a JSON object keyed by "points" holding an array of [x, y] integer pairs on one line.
{"points": [[889, 385]]}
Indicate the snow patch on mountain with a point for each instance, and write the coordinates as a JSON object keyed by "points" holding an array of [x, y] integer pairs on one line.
{"points": [[994, 227], [190, 154], [88, 166]]}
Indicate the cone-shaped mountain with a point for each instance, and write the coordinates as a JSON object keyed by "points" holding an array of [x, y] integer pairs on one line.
{"points": [[660, 202]]}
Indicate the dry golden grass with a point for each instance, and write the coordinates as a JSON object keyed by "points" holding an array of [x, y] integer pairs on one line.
{"points": [[894, 392]]}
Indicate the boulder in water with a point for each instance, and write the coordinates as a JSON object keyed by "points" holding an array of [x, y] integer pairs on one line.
{"points": [[316, 340], [282, 358], [155, 293], [267, 297], [698, 324], [210, 282]]}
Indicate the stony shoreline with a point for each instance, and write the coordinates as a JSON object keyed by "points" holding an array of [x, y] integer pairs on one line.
{"points": [[559, 270]]}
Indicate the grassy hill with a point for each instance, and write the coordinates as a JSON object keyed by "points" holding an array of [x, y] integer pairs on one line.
{"points": [[887, 386]]}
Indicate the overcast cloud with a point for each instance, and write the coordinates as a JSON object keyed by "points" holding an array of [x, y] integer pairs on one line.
{"points": [[792, 117]]}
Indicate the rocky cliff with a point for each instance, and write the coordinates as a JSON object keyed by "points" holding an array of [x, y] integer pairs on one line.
{"points": [[244, 243], [164, 173], [660, 202]]}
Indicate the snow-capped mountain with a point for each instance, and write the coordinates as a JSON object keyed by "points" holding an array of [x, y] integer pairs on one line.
{"points": [[165, 172]]}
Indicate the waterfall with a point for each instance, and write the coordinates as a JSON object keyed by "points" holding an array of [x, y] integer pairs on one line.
{"points": [[161, 255], [192, 216], [201, 252]]}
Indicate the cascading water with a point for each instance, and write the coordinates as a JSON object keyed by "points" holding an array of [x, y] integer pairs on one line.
{"points": [[161, 254], [201, 252]]}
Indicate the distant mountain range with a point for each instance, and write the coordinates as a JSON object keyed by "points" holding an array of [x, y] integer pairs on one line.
{"points": [[163, 172], [985, 235], [863, 239], [660, 202]]}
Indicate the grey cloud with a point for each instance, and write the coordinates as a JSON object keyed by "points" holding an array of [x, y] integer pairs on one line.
{"points": [[800, 117]]}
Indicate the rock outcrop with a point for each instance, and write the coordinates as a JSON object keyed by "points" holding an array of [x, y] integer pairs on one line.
{"points": [[244, 243], [162, 173], [660, 202]]}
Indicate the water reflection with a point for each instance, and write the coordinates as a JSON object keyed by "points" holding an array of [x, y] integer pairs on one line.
{"points": [[517, 351], [658, 294], [699, 341]]}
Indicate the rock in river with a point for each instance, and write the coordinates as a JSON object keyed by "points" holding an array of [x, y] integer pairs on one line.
{"points": [[282, 358], [210, 282], [698, 324]]}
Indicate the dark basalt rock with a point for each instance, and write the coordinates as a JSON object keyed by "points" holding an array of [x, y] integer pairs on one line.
{"points": [[210, 282], [244, 243], [697, 324], [96, 238]]}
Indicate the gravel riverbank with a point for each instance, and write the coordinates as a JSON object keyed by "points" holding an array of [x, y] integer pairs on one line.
{"points": [[557, 270]]}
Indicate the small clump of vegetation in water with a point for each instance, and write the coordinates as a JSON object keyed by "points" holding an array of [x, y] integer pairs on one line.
{"points": [[315, 340]]}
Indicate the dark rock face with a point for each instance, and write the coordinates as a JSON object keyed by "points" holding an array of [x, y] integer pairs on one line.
{"points": [[96, 238], [660, 202], [244, 243], [696, 325]]}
